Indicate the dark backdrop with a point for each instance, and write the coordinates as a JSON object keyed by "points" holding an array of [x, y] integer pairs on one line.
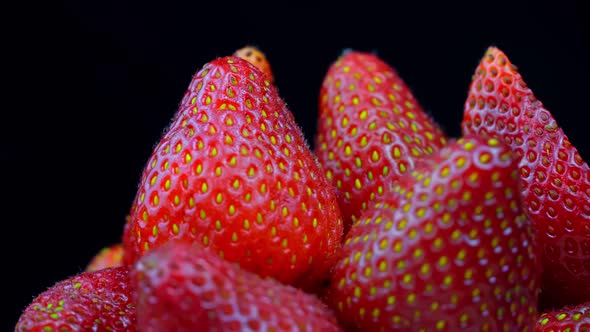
{"points": [[92, 84]]}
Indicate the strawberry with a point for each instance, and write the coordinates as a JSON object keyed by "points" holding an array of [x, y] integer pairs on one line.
{"points": [[566, 319], [233, 172], [256, 57], [181, 286], [449, 248], [89, 301], [556, 181], [371, 130], [110, 256]]}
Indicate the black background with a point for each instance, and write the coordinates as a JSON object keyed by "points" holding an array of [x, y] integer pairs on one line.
{"points": [[91, 85]]}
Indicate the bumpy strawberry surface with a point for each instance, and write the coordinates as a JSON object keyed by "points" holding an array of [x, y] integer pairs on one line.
{"points": [[233, 173], [256, 57], [111, 256], [183, 287], [567, 319], [371, 130], [449, 249], [556, 181], [89, 301]]}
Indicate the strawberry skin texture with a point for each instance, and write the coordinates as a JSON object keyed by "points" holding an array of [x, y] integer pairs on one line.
{"points": [[180, 286], [566, 319], [90, 301], [448, 249], [556, 181], [233, 173], [111, 256], [371, 130]]}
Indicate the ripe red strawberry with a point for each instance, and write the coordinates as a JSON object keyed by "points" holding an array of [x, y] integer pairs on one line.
{"points": [[371, 130], [567, 319], [110, 256], [233, 172], [448, 249], [181, 287], [256, 57], [556, 181], [89, 301]]}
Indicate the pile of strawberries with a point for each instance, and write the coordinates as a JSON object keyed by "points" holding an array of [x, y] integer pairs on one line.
{"points": [[387, 225]]}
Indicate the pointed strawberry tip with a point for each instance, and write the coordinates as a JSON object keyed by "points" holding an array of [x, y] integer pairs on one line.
{"points": [[493, 52]]}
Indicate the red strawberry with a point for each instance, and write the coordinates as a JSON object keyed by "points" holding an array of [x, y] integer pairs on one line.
{"points": [[371, 130], [448, 249], [233, 172], [567, 319], [110, 256], [89, 301], [182, 287], [556, 181], [256, 57]]}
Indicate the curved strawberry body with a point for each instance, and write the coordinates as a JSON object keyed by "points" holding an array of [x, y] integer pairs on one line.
{"points": [[370, 130], [233, 173], [448, 249], [182, 287], [570, 318], [556, 181], [89, 301]]}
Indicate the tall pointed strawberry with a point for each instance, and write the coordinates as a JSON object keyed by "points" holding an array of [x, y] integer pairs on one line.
{"points": [[556, 181], [371, 130], [449, 249], [233, 172]]}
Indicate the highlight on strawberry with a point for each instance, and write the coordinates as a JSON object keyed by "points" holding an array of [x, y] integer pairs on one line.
{"points": [[180, 286], [555, 178], [449, 248]]}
